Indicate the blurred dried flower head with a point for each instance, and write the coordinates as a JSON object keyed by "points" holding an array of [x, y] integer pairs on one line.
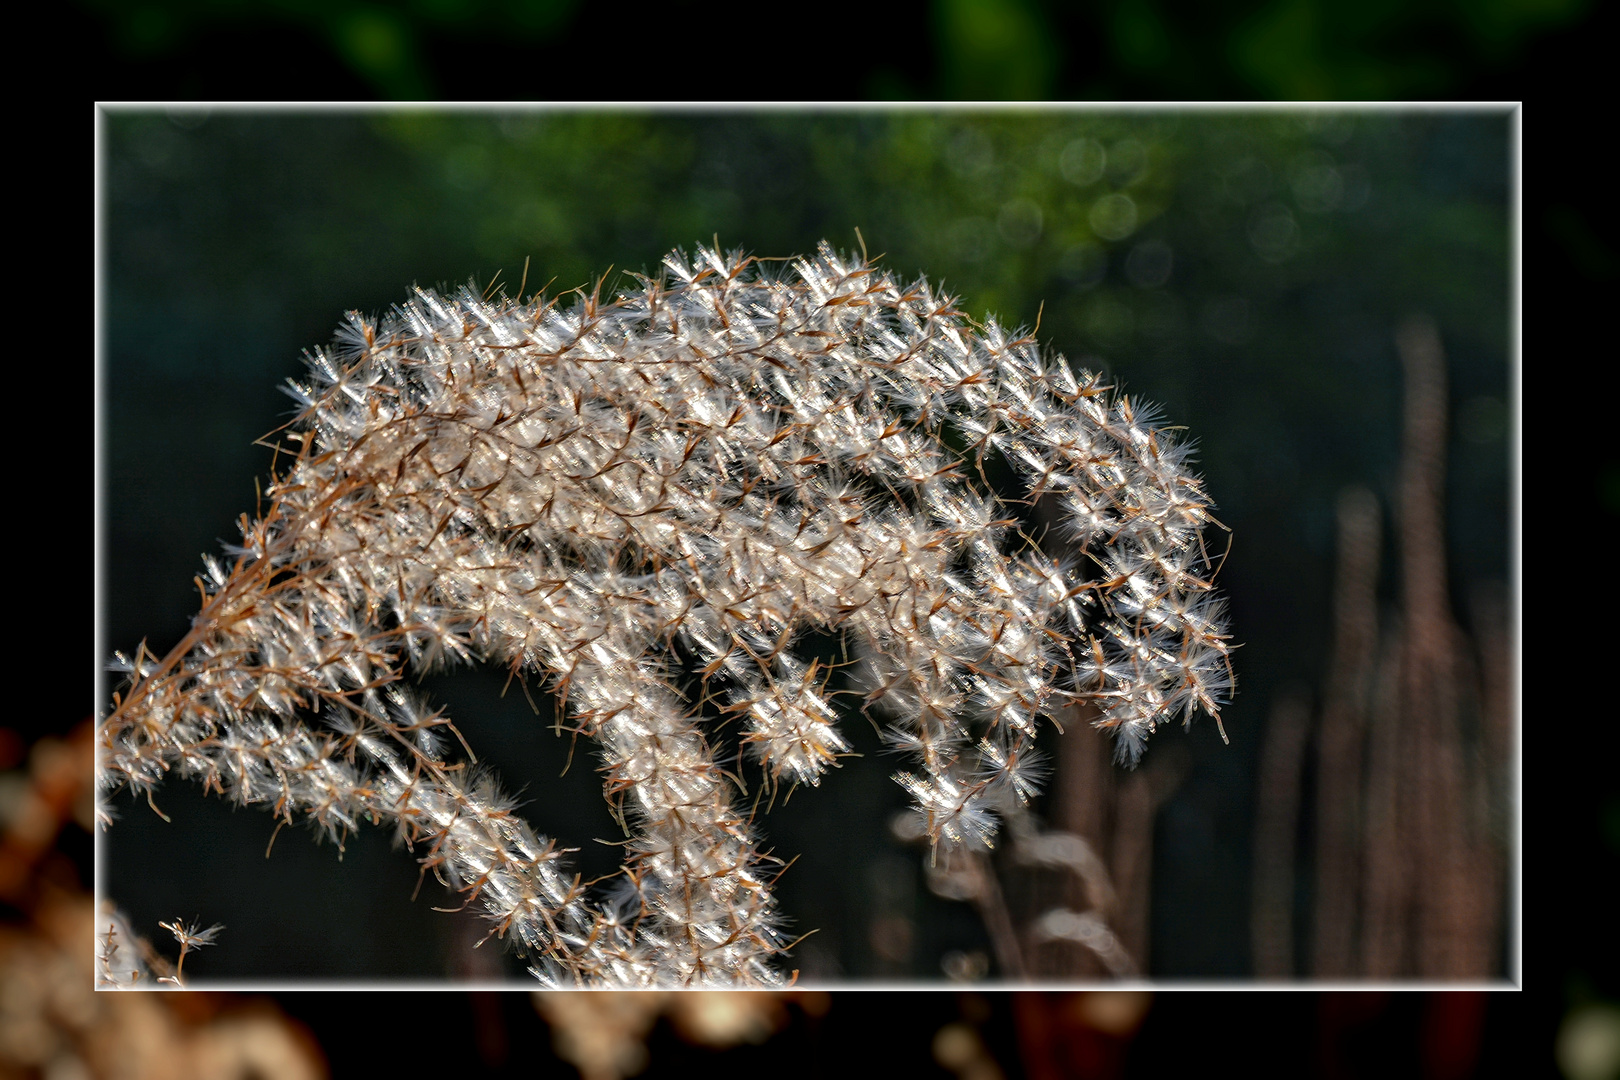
{"points": [[604, 1034], [53, 1023], [678, 484]]}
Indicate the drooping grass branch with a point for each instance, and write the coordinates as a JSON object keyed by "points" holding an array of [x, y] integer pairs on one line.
{"points": [[714, 463]]}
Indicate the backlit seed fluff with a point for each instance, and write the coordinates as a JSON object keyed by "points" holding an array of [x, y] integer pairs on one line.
{"points": [[680, 482]]}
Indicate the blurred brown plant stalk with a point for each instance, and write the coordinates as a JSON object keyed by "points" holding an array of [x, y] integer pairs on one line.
{"points": [[1414, 747]]}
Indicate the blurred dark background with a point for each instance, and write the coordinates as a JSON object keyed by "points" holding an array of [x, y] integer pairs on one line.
{"points": [[498, 50]]}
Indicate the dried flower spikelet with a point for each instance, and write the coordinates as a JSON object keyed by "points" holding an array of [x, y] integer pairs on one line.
{"points": [[711, 465]]}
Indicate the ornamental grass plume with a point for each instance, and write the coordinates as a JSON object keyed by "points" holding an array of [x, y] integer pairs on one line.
{"points": [[678, 483]]}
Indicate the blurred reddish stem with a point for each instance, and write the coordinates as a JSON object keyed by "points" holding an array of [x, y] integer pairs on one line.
{"points": [[1077, 1035]]}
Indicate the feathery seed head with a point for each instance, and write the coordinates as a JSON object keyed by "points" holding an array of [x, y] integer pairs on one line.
{"points": [[719, 458]]}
